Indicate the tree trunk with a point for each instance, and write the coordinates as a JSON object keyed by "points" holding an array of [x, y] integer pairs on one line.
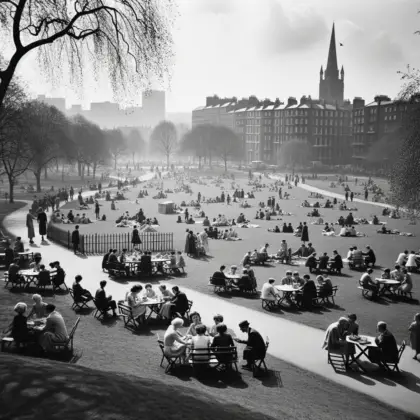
{"points": [[210, 159], [199, 162], [88, 170], [45, 172], [38, 180], [79, 168], [134, 154], [94, 169], [11, 189], [167, 161], [115, 163]]}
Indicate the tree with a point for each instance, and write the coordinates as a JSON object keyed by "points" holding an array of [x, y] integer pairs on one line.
{"points": [[197, 141], [117, 144], [226, 143], [135, 143], [46, 136], [387, 147], [164, 139], [125, 36], [295, 152]]}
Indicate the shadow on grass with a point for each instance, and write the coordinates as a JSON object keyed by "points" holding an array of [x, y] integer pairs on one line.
{"points": [[36, 389]]}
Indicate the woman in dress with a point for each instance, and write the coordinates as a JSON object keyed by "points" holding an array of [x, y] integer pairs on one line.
{"points": [[42, 222], [205, 242], [195, 320], [20, 331], [135, 238], [201, 341], [30, 225], [135, 303], [305, 233], [175, 344], [414, 329], [407, 283], [38, 308], [150, 293]]}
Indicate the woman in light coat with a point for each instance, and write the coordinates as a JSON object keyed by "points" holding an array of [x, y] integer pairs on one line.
{"points": [[30, 225]]}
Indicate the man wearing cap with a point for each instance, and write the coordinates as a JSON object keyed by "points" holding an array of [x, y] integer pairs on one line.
{"points": [[255, 345]]}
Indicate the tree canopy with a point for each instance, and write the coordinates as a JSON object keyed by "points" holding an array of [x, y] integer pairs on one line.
{"points": [[164, 139], [295, 152]]}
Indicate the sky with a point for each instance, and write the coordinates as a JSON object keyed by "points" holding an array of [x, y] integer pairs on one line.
{"points": [[268, 48]]}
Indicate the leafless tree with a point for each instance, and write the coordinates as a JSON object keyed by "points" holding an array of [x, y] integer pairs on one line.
{"points": [[164, 139], [129, 38]]}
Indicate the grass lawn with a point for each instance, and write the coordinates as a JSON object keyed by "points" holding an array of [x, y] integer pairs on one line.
{"points": [[7, 208], [127, 382], [349, 299]]}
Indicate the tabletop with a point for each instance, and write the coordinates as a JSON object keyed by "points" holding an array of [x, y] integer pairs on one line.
{"points": [[149, 302], [365, 340], [232, 276], [287, 288], [26, 253], [387, 281], [160, 259], [29, 272]]}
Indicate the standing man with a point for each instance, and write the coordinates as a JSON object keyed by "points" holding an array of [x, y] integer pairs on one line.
{"points": [[97, 209], [75, 239], [255, 346], [366, 194], [351, 196], [42, 222], [346, 195]]}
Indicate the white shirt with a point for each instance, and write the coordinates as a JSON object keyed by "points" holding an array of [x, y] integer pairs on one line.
{"points": [[268, 292], [401, 258], [411, 261]]}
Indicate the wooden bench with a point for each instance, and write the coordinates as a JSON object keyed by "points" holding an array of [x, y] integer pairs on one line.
{"points": [[327, 299], [208, 358], [127, 314]]}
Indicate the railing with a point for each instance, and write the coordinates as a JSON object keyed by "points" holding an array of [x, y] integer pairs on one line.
{"points": [[100, 243]]}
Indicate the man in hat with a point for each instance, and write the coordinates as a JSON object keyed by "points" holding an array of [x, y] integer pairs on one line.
{"points": [[255, 345]]}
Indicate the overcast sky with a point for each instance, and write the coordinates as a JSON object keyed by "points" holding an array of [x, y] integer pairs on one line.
{"points": [[271, 48]]}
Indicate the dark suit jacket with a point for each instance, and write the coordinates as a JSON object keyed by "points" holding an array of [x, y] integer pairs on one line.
{"points": [[20, 328], [44, 278], [105, 259], [218, 279], [78, 291], [181, 303], [75, 237], [388, 345], [338, 261], [101, 300], [256, 342]]}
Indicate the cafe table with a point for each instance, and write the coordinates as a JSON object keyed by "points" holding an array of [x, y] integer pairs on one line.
{"points": [[362, 344], [153, 306], [230, 277], [387, 286], [288, 291]]}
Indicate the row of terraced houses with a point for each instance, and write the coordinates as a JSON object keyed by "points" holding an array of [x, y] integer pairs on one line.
{"points": [[339, 130]]}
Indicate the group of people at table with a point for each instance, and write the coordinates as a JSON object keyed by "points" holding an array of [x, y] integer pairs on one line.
{"points": [[217, 338], [343, 337]]}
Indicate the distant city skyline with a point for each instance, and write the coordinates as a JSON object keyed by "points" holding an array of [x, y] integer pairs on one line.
{"points": [[269, 49]]}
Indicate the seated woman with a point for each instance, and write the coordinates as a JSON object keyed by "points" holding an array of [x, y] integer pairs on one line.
{"points": [[375, 220], [20, 331], [149, 292], [275, 230], [326, 228], [284, 228], [306, 203], [195, 320], [179, 220], [201, 341], [308, 293], [190, 221], [314, 213], [113, 207], [407, 283], [38, 308], [175, 344], [136, 303], [221, 341], [206, 221], [311, 262], [325, 286]]}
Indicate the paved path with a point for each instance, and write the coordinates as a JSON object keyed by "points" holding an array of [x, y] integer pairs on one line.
{"points": [[293, 342]]}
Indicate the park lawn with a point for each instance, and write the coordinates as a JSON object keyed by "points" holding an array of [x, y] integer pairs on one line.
{"points": [[7, 208], [127, 382], [349, 299]]}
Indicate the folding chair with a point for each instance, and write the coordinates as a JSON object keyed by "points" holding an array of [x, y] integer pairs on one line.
{"points": [[83, 304], [127, 315], [100, 313], [259, 364], [393, 366], [68, 344], [268, 305], [172, 360]]}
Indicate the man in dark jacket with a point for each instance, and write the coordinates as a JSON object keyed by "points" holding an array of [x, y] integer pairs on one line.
{"points": [[387, 350], [218, 278], [105, 259], [370, 257], [255, 345], [80, 294], [104, 302], [179, 302], [337, 263], [75, 239]]}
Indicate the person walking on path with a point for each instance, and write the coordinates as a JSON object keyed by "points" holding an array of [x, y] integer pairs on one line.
{"points": [[97, 209], [42, 222], [30, 225], [75, 239], [305, 233], [346, 195], [351, 196], [366, 194], [135, 237]]}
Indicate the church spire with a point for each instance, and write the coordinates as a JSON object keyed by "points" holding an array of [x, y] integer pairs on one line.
{"points": [[332, 64]]}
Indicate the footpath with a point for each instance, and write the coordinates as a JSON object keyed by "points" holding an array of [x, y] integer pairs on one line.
{"points": [[292, 342]]}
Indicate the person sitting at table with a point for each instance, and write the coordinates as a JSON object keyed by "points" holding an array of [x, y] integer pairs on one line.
{"points": [[288, 280], [104, 302], [218, 319], [9, 256], [218, 278], [307, 294], [244, 283], [397, 274], [55, 330], [414, 329], [135, 302], [356, 257], [323, 262], [370, 257], [13, 273], [222, 340], [269, 292], [105, 260], [387, 349], [411, 264], [122, 262], [367, 283], [297, 279], [149, 292], [311, 262], [180, 261], [18, 246], [335, 338], [60, 275], [402, 258], [146, 263], [195, 320], [38, 308], [201, 341], [20, 331], [386, 274], [353, 327], [44, 277], [246, 259], [337, 262], [302, 252], [175, 344], [255, 345], [80, 294], [35, 264], [179, 303], [166, 294], [325, 286], [407, 283]]}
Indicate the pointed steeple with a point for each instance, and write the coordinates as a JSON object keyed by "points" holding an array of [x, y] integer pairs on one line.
{"points": [[342, 72], [332, 64]]}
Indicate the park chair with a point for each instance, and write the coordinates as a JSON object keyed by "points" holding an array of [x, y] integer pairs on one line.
{"points": [[171, 360], [358, 264], [100, 312], [82, 304], [393, 366], [209, 358], [21, 284], [259, 364], [219, 285], [261, 258], [67, 345], [268, 305], [57, 283], [327, 299], [127, 315]]}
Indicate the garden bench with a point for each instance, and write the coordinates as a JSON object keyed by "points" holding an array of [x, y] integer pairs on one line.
{"points": [[209, 358]]}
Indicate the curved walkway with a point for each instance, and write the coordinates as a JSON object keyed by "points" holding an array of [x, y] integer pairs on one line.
{"points": [[292, 342]]}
